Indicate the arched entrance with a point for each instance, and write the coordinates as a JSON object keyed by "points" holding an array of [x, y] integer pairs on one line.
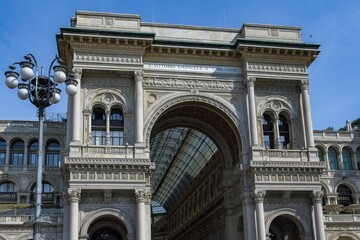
{"points": [[107, 228], [192, 145], [283, 227]]}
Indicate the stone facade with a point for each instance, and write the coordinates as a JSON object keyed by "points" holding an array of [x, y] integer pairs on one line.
{"points": [[240, 94]]}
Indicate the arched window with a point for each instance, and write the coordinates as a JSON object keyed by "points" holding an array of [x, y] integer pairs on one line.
{"points": [[8, 192], [47, 195], [52, 154], [116, 127], [268, 132], [33, 152], [2, 151], [344, 195], [98, 129], [358, 158], [333, 159], [320, 154], [6, 187], [17, 153], [346, 157], [283, 132]]}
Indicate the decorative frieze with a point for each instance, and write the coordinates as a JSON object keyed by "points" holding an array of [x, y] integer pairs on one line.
{"points": [[225, 85], [117, 162], [107, 176], [107, 58], [276, 67]]}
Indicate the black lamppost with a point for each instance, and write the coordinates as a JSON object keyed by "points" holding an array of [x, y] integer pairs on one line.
{"points": [[42, 92]]}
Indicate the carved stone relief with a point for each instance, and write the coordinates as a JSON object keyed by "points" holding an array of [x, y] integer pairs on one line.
{"points": [[277, 104], [91, 57], [276, 67]]}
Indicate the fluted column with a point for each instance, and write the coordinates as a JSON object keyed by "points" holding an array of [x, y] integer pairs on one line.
{"points": [[74, 198], [76, 107], [250, 83], [319, 221], [260, 220], [307, 112], [143, 198], [248, 215], [139, 108]]}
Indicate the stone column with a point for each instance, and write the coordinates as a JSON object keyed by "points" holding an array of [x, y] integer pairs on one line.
{"points": [[139, 108], [248, 216], [260, 221], [107, 138], [319, 221], [7, 154], [143, 231], [88, 119], [26, 154], [250, 83], [276, 134], [76, 107], [307, 113], [74, 198]]}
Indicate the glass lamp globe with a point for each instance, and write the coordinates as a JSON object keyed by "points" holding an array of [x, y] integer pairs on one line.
{"points": [[56, 97], [26, 71], [23, 93], [11, 80], [71, 88], [59, 74]]}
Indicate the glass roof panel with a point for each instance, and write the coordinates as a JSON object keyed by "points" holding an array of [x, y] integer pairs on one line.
{"points": [[179, 155]]}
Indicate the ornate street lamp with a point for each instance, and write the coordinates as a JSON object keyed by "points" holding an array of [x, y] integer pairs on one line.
{"points": [[42, 92]]}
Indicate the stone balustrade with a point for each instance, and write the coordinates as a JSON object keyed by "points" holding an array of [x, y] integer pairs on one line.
{"points": [[341, 218]]}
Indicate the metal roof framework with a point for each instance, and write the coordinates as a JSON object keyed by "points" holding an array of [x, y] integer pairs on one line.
{"points": [[179, 154]]}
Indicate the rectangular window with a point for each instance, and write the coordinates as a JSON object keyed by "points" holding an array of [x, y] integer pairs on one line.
{"points": [[2, 158], [33, 157], [117, 138], [52, 159], [17, 158], [98, 137]]}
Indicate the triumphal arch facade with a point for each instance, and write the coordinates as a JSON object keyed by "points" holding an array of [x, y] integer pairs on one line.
{"points": [[184, 132]]}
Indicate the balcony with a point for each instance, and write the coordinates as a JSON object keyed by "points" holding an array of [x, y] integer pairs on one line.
{"points": [[8, 197], [341, 218], [283, 155], [21, 219]]}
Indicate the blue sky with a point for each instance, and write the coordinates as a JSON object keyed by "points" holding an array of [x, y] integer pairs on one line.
{"points": [[30, 27]]}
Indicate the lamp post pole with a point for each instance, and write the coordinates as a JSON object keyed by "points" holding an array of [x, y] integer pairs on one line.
{"points": [[42, 92]]}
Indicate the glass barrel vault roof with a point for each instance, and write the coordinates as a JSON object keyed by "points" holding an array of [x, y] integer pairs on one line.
{"points": [[179, 155]]}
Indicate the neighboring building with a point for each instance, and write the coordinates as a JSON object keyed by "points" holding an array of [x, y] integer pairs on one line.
{"points": [[183, 132]]}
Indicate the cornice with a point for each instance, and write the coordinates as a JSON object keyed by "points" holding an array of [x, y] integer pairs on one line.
{"points": [[108, 162], [298, 165]]}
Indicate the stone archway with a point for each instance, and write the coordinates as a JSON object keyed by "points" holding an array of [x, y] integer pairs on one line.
{"points": [[107, 228], [108, 220], [193, 141], [284, 227]]}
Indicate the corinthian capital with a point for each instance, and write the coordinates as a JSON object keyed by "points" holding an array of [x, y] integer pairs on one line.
{"points": [[259, 196], [250, 81], [143, 195], [304, 85], [76, 73], [74, 195], [138, 75], [317, 197]]}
